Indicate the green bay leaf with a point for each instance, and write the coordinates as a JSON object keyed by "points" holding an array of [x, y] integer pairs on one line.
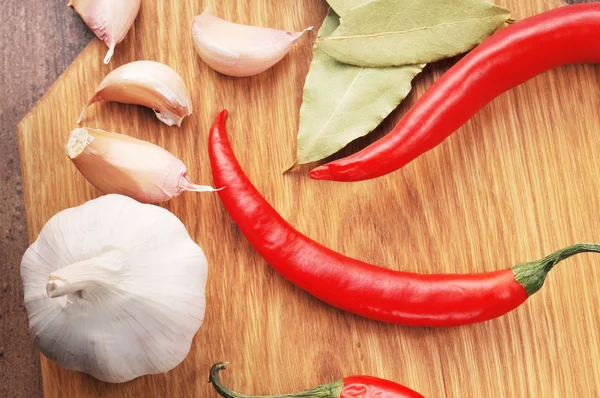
{"points": [[384, 33], [343, 102]]}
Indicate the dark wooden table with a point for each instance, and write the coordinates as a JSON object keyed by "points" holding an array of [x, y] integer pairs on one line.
{"points": [[38, 40]]}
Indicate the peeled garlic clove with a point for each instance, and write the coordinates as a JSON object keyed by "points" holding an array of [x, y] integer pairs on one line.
{"points": [[110, 20], [239, 50], [114, 288], [147, 83], [116, 163]]}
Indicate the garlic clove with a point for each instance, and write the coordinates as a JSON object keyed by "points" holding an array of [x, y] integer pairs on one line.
{"points": [[116, 163], [110, 20], [239, 50], [114, 288], [147, 83]]}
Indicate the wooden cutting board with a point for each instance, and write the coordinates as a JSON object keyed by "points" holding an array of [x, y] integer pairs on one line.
{"points": [[517, 182]]}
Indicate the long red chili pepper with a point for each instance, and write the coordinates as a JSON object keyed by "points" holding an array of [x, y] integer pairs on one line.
{"points": [[365, 289], [350, 387], [566, 35]]}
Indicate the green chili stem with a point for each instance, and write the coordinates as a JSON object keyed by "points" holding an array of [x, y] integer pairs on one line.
{"points": [[532, 275], [330, 390]]}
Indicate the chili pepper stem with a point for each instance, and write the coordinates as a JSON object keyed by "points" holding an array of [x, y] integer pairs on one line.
{"points": [[330, 390], [533, 274]]}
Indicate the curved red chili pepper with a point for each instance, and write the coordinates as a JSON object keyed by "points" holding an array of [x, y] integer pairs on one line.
{"points": [[373, 387], [350, 387], [364, 289], [566, 35]]}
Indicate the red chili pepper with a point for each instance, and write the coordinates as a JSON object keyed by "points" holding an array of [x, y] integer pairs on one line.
{"points": [[566, 35], [365, 289], [350, 387]]}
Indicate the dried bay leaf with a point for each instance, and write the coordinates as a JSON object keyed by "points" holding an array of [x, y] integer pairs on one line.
{"points": [[343, 102], [384, 33], [341, 7]]}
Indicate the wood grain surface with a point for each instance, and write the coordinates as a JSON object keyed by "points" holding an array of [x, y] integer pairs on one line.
{"points": [[519, 181]]}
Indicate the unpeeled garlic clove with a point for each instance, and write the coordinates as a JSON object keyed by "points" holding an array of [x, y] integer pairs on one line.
{"points": [[239, 50], [110, 20], [116, 163], [147, 83]]}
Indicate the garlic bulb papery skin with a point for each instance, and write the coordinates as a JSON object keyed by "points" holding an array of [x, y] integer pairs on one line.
{"points": [[114, 288], [147, 83], [110, 20], [117, 163], [239, 50]]}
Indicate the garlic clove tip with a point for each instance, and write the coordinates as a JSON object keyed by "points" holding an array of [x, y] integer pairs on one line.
{"points": [[109, 54], [309, 29], [201, 188], [82, 115], [110, 20], [189, 186]]}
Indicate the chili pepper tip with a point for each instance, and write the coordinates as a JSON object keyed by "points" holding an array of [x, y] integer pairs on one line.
{"points": [[222, 116], [320, 173]]}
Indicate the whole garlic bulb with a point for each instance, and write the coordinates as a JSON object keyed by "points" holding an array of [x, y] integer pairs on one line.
{"points": [[114, 288]]}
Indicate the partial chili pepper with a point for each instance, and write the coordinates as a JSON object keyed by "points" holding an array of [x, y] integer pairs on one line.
{"points": [[364, 289], [566, 35], [350, 387]]}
